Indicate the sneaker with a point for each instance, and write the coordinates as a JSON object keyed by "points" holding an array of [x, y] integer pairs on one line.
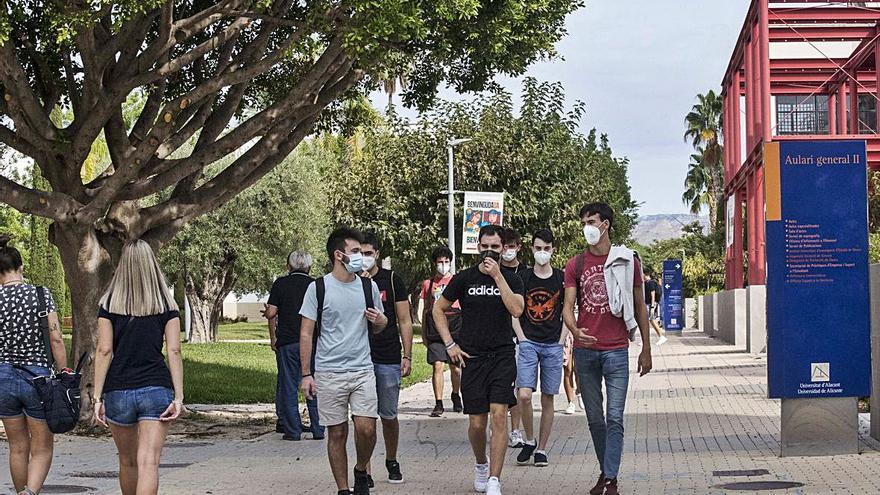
{"points": [[278, 427], [438, 410], [292, 438], [541, 459], [515, 440], [493, 487], [525, 455], [481, 477], [611, 486], [394, 475], [361, 483], [344, 492], [370, 482], [570, 409], [581, 402], [662, 340], [456, 403], [599, 489]]}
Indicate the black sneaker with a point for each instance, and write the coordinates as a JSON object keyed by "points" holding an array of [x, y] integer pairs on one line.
{"points": [[361, 483], [394, 475], [438, 410], [343, 492], [456, 403], [541, 459], [525, 455], [370, 482]]}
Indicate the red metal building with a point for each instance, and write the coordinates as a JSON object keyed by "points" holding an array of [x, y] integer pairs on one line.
{"points": [[800, 70]]}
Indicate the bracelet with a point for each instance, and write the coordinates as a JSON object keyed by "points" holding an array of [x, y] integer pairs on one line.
{"points": [[407, 358], [451, 345], [306, 375]]}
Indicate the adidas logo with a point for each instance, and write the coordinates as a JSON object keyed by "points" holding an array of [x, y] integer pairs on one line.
{"points": [[484, 290]]}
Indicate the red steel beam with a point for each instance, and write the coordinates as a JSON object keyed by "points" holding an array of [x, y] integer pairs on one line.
{"points": [[833, 15], [763, 29], [841, 33]]}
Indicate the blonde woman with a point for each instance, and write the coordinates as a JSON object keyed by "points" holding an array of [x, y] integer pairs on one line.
{"points": [[22, 344], [136, 393]]}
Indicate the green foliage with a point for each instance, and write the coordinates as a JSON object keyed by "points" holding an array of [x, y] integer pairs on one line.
{"points": [[704, 183], [546, 167], [256, 231], [43, 262], [703, 256]]}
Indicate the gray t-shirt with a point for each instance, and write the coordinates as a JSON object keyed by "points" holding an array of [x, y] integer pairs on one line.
{"points": [[344, 344]]}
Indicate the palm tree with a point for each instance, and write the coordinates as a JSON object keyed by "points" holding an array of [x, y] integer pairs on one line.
{"points": [[704, 182]]}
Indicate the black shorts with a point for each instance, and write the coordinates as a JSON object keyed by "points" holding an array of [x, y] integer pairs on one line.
{"points": [[488, 379], [437, 353]]}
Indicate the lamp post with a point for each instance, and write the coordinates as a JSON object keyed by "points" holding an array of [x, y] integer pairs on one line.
{"points": [[450, 191]]}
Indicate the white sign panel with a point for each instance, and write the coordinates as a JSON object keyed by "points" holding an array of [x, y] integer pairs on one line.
{"points": [[480, 208]]}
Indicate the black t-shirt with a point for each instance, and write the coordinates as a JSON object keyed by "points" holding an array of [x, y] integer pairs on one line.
{"points": [[542, 319], [651, 287], [518, 269], [486, 324], [287, 295], [385, 346], [137, 351]]}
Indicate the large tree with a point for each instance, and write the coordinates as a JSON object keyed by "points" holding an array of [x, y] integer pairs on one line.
{"points": [[704, 183], [198, 64], [537, 156], [244, 244]]}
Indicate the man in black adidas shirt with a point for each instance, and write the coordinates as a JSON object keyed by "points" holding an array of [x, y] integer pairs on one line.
{"points": [[485, 350], [385, 348]]}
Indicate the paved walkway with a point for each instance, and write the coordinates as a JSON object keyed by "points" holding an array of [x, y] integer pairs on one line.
{"points": [[703, 410]]}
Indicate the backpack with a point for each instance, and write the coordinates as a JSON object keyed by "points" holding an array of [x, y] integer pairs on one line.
{"points": [[321, 290]]}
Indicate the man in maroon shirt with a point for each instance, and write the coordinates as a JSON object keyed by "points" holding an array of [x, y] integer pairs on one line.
{"points": [[605, 282]]}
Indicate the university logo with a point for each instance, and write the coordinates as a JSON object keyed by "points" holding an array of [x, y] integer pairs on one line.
{"points": [[484, 290]]}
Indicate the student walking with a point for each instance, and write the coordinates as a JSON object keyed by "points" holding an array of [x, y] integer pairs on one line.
{"points": [[136, 392], [282, 311], [510, 263], [605, 282], [652, 298], [541, 336], [436, 355], [347, 308], [386, 348], [485, 351], [23, 343]]}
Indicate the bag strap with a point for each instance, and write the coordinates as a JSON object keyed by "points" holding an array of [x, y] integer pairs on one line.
{"points": [[320, 290], [43, 319], [367, 285]]}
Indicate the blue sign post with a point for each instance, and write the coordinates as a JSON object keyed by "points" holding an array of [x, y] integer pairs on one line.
{"points": [[672, 302], [818, 314]]}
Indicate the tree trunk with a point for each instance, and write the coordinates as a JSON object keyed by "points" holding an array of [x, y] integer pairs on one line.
{"points": [[89, 258], [206, 301]]}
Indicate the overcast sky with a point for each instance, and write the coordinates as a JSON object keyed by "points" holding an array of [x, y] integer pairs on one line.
{"points": [[638, 65]]}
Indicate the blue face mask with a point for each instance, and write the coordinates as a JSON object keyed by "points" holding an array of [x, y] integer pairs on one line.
{"points": [[355, 263]]}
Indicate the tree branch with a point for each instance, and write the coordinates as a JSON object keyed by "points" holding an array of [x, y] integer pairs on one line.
{"points": [[57, 206]]}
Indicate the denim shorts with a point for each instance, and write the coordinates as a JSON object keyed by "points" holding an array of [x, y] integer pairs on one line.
{"points": [[387, 389], [547, 357], [126, 407], [17, 395]]}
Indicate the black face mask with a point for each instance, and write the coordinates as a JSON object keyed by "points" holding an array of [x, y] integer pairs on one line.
{"points": [[495, 255]]}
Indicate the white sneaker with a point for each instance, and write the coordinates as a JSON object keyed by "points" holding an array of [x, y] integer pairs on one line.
{"points": [[662, 340], [581, 402], [515, 439], [570, 409], [493, 487], [481, 477]]}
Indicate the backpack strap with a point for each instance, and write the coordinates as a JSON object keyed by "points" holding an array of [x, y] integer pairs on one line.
{"points": [[43, 319], [393, 294], [320, 290], [367, 284]]}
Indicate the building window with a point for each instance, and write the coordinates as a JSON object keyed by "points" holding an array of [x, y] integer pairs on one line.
{"points": [[799, 114], [867, 114]]}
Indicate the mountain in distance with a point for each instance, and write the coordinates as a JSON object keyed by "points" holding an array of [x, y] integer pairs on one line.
{"points": [[661, 227]]}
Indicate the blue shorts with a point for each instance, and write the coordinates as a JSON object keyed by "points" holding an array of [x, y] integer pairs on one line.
{"points": [[387, 389], [17, 395], [126, 407], [548, 357]]}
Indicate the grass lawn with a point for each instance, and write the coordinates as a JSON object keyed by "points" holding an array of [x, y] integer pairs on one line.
{"points": [[244, 331]]}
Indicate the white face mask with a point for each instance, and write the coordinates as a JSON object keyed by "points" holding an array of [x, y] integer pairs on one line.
{"points": [[444, 268], [369, 262], [509, 255], [592, 234], [543, 257]]}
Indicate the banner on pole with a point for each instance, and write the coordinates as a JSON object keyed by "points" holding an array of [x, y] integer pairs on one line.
{"points": [[480, 208]]}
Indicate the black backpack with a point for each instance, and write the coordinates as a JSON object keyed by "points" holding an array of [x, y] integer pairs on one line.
{"points": [[59, 393], [321, 290]]}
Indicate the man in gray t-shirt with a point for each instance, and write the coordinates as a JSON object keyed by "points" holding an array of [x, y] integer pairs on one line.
{"points": [[344, 376]]}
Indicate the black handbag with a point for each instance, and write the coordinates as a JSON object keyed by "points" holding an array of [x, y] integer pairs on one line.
{"points": [[59, 392]]}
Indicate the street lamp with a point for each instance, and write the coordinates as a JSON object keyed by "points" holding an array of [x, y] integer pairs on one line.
{"points": [[450, 191]]}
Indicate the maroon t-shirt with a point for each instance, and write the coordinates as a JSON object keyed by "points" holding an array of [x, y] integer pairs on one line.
{"points": [[594, 312]]}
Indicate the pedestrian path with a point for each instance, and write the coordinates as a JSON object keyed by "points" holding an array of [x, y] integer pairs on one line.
{"points": [[699, 421]]}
